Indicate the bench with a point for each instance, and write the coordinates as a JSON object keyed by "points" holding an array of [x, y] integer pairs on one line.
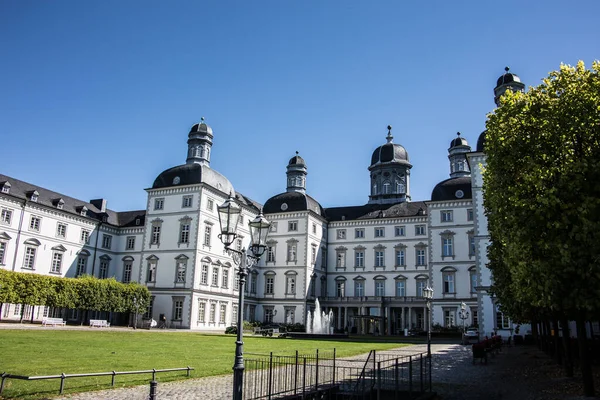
{"points": [[99, 323], [53, 321]]}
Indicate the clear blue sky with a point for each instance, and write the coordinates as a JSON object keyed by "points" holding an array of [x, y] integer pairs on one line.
{"points": [[97, 97]]}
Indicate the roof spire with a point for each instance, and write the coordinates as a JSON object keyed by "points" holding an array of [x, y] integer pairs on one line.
{"points": [[507, 69], [389, 135], [457, 133]]}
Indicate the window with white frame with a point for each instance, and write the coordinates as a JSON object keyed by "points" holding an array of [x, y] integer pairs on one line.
{"points": [[269, 311], [323, 287], [222, 313], [213, 313], [215, 276], [103, 269], [151, 270], [420, 256], [340, 258], [469, 214], [184, 230], [323, 257], [207, 233], [421, 282], [400, 256], [2, 252], [379, 256], [130, 243], [359, 257], [473, 279], [156, 228], [379, 232], [359, 287], [210, 204], [314, 228], [502, 321], [379, 287], [85, 236], [447, 245], [34, 223], [234, 315], [150, 308], [419, 230], [290, 284], [448, 279], [273, 227], [292, 226], [340, 288], [181, 269], [289, 315], [236, 282], [177, 308], [471, 237], [6, 187], [225, 278], [292, 250], [251, 312], [29, 259], [449, 317], [238, 243], [127, 270], [446, 215], [81, 267], [253, 282], [271, 251], [57, 260], [61, 230], [270, 284], [201, 311], [313, 254], [187, 201], [400, 287], [159, 204], [341, 234], [400, 230], [313, 285], [359, 233], [6, 216], [475, 317], [106, 241]]}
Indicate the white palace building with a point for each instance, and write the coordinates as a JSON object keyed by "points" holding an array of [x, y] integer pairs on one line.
{"points": [[367, 263]]}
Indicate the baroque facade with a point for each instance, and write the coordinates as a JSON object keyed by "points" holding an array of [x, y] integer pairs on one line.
{"points": [[368, 264]]}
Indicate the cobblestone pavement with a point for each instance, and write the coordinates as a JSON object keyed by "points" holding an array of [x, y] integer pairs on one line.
{"points": [[446, 357]]}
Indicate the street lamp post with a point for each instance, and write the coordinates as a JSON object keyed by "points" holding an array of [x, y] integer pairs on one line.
{"points": [[463, 314], [428, 294], [229, 216]]}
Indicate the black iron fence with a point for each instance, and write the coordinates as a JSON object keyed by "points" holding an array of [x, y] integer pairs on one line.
{"points": [[112, 374], [395, 375]]}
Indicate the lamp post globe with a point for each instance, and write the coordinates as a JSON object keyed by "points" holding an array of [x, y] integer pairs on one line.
{"points": [[229, 216]]}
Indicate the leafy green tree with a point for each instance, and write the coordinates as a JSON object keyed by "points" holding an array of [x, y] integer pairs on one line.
{"points": [[542, 193]]}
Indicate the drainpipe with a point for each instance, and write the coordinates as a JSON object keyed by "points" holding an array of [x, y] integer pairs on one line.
{"points": [[19, 233], [96, 247]]}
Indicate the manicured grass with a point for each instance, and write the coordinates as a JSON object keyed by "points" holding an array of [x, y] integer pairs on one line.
{"points": [[34, 352]]}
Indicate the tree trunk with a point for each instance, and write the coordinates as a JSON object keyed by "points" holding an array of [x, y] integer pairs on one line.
{"points": [[584, 357], [22, 313], [1, 304], [566, 339], [556, 341], [32, 314]]}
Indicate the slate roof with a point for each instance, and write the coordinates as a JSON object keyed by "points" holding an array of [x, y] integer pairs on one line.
{"points": [[446, 190], [373, 211], [295, 201], [21, 190]]}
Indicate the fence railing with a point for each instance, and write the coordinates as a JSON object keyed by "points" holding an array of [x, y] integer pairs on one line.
{"points": [[112, 374], [310, 376]]}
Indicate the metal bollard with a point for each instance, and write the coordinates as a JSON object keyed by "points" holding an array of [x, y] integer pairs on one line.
{"points": [[153, 385]]}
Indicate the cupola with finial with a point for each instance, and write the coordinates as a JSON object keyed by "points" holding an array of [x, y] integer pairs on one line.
{"points": [[200, 144], [296, 174], [457, 154], [506, 81]]}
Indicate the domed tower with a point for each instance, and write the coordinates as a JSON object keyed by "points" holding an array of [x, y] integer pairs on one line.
{"points": [[507, 81], [199, 144], [296, 175], [457, 154], [390, 173]]}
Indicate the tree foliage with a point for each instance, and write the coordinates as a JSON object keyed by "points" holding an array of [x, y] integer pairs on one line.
{"points": [[542, 193], [85, 293]]}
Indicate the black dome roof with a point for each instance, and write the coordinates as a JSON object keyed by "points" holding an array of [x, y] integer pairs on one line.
{"points": [[459, 141], [452, 189], [201, 127], [294, 201], [481, 142], [390, 152], [297, 160], [189, 174], [507, 77]]}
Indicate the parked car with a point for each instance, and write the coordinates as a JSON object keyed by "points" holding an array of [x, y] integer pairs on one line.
{"points": [[472, 333]]}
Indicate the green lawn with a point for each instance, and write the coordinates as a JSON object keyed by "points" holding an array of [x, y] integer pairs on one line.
{"points": [[35, 351]]}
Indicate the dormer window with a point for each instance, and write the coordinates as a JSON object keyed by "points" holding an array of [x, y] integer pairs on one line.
{"points": [[59, 203], [33, 196], [83, 211], [6, 187], [137, 221]]}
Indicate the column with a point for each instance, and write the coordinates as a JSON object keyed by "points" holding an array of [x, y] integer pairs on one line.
{"points": [[389, 320]]}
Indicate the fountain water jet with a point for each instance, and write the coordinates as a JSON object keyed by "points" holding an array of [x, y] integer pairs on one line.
{"points": [[319, 322]]}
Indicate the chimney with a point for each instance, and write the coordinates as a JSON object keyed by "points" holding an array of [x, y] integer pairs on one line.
{"points": [[99, 204]]}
